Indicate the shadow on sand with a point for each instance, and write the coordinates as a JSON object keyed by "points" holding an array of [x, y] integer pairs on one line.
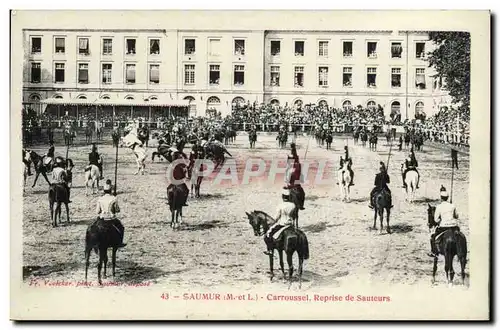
{"points": [[401, 228], [204, 226]]}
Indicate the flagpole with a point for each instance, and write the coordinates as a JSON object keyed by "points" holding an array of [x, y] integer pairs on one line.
{"points": [[116, 167], [452, 175]]}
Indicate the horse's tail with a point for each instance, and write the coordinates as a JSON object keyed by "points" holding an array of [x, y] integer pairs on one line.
{"points": [[461, 242], [290, 243], [304, 246]]}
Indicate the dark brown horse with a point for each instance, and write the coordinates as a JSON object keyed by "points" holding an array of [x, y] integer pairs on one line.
{"points": [[382, 201], [58, 195], [291, 240], [176, 198], [100, 236], [451, 243]]}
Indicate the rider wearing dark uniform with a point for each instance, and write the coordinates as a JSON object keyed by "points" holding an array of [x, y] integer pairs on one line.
{"points": [[349, 164], [381, 182], [180, 173], [95, 159], [410, 164], [294, 179]]}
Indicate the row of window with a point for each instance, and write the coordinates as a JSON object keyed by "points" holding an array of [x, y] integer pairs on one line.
{"points": [[214, 75], [214, 47], [84, 48]]}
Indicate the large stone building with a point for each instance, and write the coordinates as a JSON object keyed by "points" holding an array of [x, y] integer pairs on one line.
{"points": [[207, 70]]}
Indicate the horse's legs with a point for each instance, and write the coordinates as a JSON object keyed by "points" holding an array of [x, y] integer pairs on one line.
{"points": [[280, 254], [463, 261], [51, 206], [67, 211], [381, 217], [102, 251], [45, 177], [301, 262], [289, 260], [87, 261], [105, 263], [36, 178], [447, 265], [452, 271], [271, 261], [113, 260], [375, 219], [388, 210]]}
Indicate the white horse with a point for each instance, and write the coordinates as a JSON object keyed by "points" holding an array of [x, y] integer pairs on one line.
{"points": [[92, 175], [140, 155], [344, 178], [411, 185]]}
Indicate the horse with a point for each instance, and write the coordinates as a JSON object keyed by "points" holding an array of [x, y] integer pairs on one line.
{"points": [[88, 134], [57, 196], [140, 155], [290, 240], [373, 142], [176, 197], [411, 185], [100, 236], [163, 150], [92, 176], [42, 167], [215, 152], [252, 137], [382, 201], [344, 179], [25, 175], [452, 243]]}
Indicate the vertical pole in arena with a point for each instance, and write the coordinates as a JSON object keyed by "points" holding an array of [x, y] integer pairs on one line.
{"points": [[116, 169], [452, 174]]}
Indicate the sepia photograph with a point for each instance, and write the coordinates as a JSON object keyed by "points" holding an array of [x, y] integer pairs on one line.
{"points": [[318, 164]]}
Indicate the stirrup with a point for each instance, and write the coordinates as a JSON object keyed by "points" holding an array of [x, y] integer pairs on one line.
{"points": [[433, 255], [268, 253]]}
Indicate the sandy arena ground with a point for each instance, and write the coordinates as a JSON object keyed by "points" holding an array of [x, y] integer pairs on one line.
{"points": [[216, 244]]}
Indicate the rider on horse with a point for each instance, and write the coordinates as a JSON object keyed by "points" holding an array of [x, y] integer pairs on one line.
{"points": [[446, 217], [180, 173], [95, 159], [107, 207], [60, 176], [349, 164], [382, 180], [284, 216], [410, 164], [293, 175]]}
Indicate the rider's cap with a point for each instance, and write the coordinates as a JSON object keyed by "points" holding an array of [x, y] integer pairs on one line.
{"points": [[444, 193]]}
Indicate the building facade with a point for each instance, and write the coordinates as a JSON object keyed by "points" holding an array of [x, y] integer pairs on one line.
{"points": [[215, 70]]}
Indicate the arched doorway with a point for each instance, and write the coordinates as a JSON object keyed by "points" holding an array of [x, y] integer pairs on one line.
{"points": [[419, 110], [298, 104], [192, 105], [346, 105], [34, 103], [396, 111], [238, 103], [323, 104], [213, 105], [371, 105]]}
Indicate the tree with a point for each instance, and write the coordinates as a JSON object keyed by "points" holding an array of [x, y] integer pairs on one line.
{"points": [[451, 60]]}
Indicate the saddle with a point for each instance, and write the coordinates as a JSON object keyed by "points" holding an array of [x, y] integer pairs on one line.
{"points": [[278, 231]]}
